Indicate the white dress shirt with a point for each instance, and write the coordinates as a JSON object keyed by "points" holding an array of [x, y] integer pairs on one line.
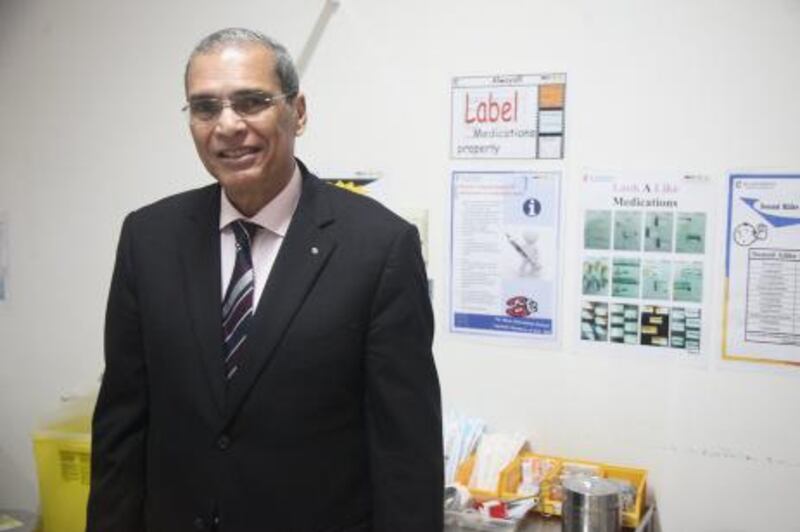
{"points": [[273, 220]]}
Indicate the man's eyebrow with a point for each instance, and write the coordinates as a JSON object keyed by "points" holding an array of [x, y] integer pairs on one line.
{"points": [[203, 96], [240, 92], [251, 92]]}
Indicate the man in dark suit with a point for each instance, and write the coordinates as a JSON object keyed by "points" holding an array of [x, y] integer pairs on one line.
{"points": [[268, 338]]}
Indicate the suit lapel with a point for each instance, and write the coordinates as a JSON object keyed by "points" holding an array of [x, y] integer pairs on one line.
{"points": [[201, 265], [303, 255]]}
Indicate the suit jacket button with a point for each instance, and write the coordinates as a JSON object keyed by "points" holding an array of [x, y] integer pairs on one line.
{"points": [[199, 524], [223, 442]]}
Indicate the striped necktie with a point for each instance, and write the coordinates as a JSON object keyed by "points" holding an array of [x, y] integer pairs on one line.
{"points": [[237, 305]]}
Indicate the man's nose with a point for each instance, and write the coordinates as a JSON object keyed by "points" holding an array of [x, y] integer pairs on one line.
{"points": [[229, 122]]}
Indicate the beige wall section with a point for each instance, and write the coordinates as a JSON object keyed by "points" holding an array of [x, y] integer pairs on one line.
{"points": [[90, 93]]}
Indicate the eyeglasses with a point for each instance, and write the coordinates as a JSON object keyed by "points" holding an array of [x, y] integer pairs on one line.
{"points": [[246, 104]]}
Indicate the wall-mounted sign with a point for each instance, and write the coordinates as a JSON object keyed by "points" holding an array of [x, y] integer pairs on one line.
{"points": [[762, 270], [645, 262], [504, 271], [508, 117]]}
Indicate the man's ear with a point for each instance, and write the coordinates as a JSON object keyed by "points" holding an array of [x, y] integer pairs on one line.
{"points": [[300, 111]]}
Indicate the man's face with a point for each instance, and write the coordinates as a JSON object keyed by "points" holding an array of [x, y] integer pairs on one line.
{"points": [[251, 157]]}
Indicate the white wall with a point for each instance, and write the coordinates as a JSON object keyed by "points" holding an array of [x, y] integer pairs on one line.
{"points": [[90, 92]]}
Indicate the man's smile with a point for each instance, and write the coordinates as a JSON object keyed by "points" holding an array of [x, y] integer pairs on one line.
{"points": [[238, 153]]}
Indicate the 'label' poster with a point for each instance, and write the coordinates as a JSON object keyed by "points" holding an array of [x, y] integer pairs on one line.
{"points": [[508, 117]]}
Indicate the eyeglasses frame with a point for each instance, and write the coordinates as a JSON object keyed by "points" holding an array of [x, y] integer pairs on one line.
{"points": [[268, 99]]}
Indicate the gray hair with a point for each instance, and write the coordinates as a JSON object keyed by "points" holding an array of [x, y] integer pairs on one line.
{"points": [[284, 66]]}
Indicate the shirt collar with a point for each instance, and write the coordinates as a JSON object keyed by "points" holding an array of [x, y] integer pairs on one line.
{"points": [[274, 216]]}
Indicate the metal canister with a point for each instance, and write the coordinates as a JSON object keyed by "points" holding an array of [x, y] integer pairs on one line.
{"points": [[591, 505]]}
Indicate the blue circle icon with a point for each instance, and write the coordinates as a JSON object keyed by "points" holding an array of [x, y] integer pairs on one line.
{"points": [[532, 207]]}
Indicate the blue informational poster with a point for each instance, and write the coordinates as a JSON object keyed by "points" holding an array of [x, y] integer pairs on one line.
{"points": [[504, 269], [762, 270]]}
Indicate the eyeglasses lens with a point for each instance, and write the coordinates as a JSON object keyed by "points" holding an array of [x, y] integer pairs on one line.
{"points": [[207, 109], [250, 104]]}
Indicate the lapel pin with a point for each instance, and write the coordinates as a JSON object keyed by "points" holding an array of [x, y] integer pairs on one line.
{"points": [[315, 250]]}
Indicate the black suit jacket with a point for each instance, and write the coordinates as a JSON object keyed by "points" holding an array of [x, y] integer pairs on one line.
{"points": [[333, 421]]}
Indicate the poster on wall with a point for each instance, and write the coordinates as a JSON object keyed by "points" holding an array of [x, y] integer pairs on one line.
{"points": [[3, 257], [644, 264], [762, 270], [368, 183], [504, 269], [508, 117]]}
